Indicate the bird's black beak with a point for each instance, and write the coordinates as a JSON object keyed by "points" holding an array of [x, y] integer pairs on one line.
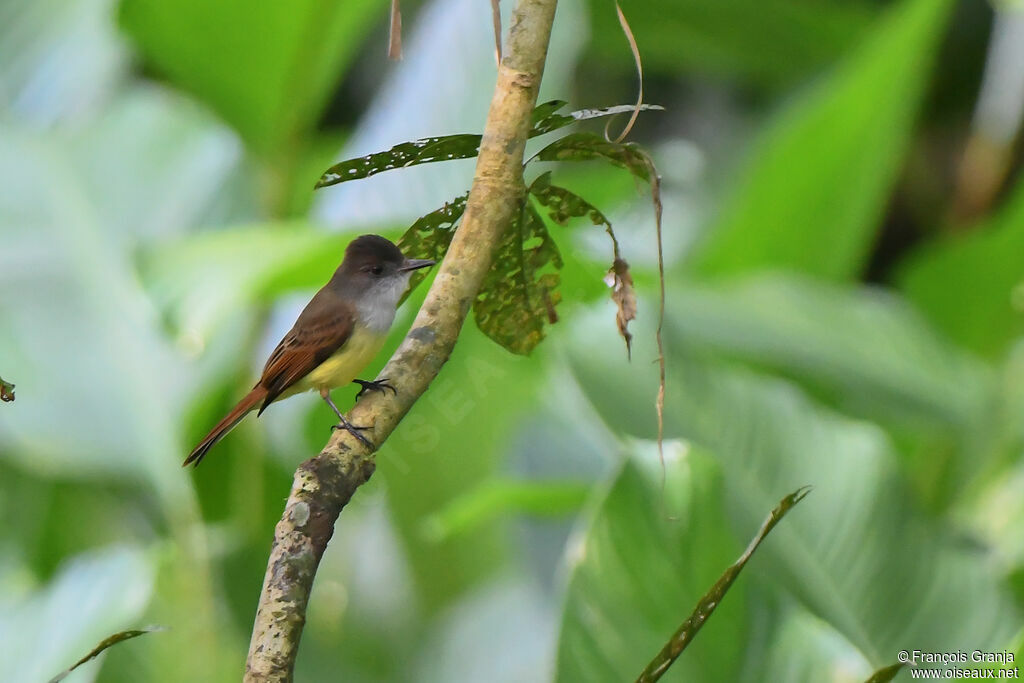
{"points": [[415, 264]]}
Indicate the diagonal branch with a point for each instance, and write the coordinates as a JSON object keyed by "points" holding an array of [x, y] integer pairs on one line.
{"points": [[325, 484]]}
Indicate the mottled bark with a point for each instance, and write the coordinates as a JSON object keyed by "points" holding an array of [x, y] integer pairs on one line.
{"points": [[325, 484]]}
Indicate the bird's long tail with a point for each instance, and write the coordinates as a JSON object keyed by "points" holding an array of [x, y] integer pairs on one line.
{"points": [[251, 400]]}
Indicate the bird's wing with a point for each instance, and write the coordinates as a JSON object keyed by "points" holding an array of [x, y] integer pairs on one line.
{"points": [[322, 328]]}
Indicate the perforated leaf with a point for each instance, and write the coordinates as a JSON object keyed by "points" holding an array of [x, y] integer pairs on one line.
{"points": [[424, 151], [431, 234], [459, 146], [590, 146], [563, 205], [519, 293]]}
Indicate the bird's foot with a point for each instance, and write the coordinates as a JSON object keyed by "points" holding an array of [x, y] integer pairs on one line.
{"points": [[381, 385], [353, 430]]}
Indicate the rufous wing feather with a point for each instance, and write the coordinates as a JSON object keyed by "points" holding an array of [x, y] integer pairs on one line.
{"points": [[314, 338], [322, 328], [251, 400]]}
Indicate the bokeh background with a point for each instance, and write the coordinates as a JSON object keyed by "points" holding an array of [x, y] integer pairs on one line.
{"points": [[844, 241]]}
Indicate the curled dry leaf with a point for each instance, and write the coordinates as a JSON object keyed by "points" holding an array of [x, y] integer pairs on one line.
{"points": [[628, 32], [587, 147], [624, 296]]}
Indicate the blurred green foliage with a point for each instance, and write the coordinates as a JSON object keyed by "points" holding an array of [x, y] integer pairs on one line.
{"points": [[820, 175], [157, 232], [268, 69]]}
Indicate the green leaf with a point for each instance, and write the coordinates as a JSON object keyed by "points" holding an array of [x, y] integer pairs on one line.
{"points": [[519, 293], [821, 175], [458, 146], [430, 236], [590, 147], [863, 350], [107, 642], [885, 674], [647, 554], [802, 647], [266, 68], [129, 433], [971, 285], [423, 151], [718, 38], [543, 112], [496, 498], [563, 205], [862, 523], [685, 634]]}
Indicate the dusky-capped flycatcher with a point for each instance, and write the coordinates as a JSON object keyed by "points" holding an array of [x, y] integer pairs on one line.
{"points": [[337, 334]]}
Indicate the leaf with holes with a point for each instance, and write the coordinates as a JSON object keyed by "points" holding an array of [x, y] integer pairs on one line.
{"points": [[430, 236], [590, 146], [460, 146], [563, 205], [519, 292], [424, 151]]}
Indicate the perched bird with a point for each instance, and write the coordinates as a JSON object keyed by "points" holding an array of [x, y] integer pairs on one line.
{"points": [[337, 334]]}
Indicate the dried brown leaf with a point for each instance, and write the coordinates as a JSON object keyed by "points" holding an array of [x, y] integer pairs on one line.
{"points": [[624, 296], [639, 74]]}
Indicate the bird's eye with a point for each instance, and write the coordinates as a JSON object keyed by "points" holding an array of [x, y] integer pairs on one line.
{"points": [[377, 270]]}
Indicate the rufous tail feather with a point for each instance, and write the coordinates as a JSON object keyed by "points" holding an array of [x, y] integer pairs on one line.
{"points": [[251, 400]]}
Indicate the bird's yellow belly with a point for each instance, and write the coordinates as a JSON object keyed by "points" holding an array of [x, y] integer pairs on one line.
{"points": [[346, 363]]}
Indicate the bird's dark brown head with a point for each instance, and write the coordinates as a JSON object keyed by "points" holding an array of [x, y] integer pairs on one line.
{"points": [[370, 259]]}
